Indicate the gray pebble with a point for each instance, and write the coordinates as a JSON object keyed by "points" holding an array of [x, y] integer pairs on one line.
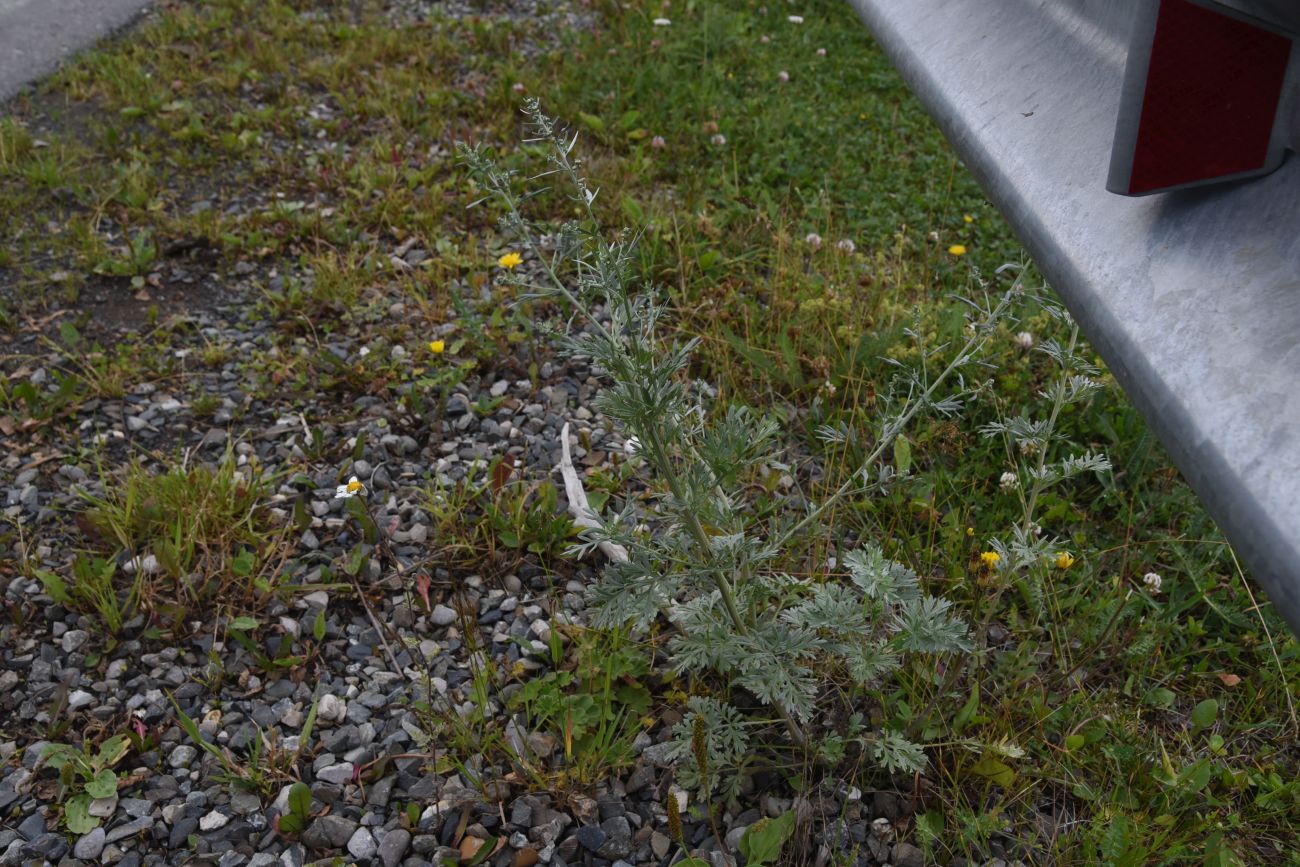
{"points": [[362, 844], [89, 846], [394, 846]]}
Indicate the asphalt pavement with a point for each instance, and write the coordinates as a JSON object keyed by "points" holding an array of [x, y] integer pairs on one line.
{"points": [[37, 35]]}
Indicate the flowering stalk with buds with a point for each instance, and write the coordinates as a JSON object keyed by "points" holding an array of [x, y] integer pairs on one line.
{"points": [[711, 567]]}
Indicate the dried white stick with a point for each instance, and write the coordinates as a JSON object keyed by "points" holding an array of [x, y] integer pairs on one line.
{"points": [[583, 516]]}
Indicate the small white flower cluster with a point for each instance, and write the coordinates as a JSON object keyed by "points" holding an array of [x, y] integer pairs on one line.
{"points": [[847, 247], [1025, 340], [1152, 582], [661, 22], [794, 19], [812, 239], [783, 76], [1009, 482]]}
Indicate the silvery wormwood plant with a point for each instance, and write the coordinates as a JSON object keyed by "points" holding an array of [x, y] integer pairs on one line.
{"points": [[1033, 448], [709, 567]]}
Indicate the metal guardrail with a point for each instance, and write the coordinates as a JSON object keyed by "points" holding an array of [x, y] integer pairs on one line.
{"points": [[1192, 297]]}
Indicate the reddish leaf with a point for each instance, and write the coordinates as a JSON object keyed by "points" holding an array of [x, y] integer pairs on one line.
{"points": [[500, 475], [422, 584]]}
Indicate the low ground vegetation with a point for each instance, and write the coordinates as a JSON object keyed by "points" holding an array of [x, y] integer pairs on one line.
{"points": [[243, 264]]}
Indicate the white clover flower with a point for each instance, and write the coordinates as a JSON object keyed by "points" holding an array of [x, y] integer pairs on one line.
{"points": [[518, 87], [764, 39], [351, 489], [661, 22], [719, 139], [783, 76], [1008, 482], [1025, 340], [821, 52], [812, 239], [658, 143], [847, 247], [631, 446], [1152, 582], [795, 19]]}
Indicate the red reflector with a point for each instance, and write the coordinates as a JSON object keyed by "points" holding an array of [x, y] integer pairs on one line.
{"points": [[1210, 100]]}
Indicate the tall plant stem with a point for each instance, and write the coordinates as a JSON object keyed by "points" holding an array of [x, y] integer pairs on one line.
{"points": [[1058, 401], [664, 465], [894, 428]]}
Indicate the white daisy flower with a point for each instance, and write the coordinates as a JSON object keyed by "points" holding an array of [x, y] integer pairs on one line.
{"points": [[351, 489]]}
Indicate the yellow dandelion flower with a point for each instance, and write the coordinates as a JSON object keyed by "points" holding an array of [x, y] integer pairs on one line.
{"points": [[990, 558], [957, 249], [510, 261], [437, 347], [1064, 560], [970, 531], [968, 218]]}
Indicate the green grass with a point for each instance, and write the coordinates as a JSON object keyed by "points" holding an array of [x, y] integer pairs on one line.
{"points": [[1094, 681]]}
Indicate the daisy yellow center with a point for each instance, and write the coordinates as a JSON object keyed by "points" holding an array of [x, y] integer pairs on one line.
{"points": [[354, 486]]}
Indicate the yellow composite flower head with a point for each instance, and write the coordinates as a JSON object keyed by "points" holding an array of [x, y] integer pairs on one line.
{"points": [[511, 261], [957, 249], [990, 558], [1064, 560], [437, 347]]}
